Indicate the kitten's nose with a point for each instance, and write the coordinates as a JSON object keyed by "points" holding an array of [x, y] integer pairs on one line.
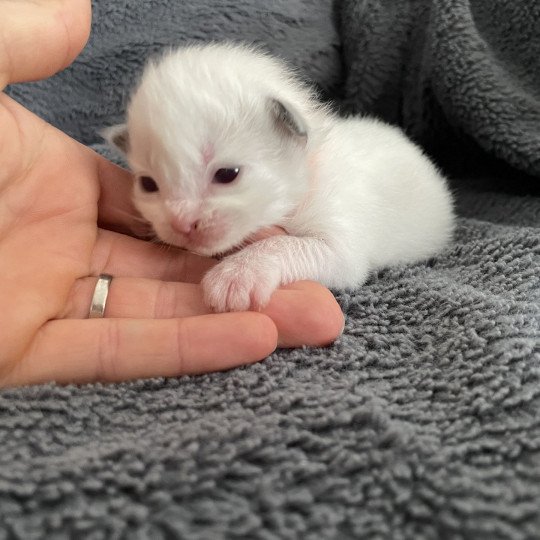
{"points": [[184, 226]]}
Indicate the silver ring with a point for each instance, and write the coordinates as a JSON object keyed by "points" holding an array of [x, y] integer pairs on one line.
{"points": [[99, 300]]}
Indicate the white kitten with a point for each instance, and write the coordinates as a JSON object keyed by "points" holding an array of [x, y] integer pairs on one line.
{"points": [[224, 140]]}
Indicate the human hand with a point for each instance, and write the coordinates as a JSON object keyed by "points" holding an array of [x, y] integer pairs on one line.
{"points": [[53, 193]]}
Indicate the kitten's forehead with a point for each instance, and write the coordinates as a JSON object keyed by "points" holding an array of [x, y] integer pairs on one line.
{"points": [[211, 94], [182, 92], [192, 130]]}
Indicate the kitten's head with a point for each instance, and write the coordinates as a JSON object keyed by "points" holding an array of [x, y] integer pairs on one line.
{"points": [[217, 146]]}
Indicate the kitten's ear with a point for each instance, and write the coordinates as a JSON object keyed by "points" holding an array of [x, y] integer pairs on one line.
{"points": [[288, 121], [117, 136]]}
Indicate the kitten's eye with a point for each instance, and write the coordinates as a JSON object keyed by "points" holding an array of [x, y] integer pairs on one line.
{"points": [[148, 184], [226, 176]]}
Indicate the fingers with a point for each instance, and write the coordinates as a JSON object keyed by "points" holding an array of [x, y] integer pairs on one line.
{"points": [[58, 29], [305, 313], [111, 350], [121, 255], [116, 349], [138, 298]]}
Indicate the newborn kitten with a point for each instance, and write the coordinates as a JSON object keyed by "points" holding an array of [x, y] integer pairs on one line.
{"points": [[224, 140]]}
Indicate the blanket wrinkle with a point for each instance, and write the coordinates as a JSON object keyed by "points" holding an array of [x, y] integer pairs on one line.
{"points": [[462, 77]]}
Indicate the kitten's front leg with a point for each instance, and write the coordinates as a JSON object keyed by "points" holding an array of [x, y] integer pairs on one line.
{"points": [[248, 278]]}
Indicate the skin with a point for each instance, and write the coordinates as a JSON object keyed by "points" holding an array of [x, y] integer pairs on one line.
{"points": [[64, 212]]}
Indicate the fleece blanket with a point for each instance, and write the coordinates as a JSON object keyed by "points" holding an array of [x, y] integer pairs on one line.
{"points": [[461, 76], [423, 420]]}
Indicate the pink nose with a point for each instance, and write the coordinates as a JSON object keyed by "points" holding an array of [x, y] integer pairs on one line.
{"points": [[183, 226]]}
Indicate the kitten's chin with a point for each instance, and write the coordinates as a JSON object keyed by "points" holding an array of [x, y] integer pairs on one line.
{"points": [[204, 249], [219, 251], [206, 244]]}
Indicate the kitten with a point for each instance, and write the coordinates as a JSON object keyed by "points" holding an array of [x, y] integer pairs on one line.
{"points": [[224, 140]]}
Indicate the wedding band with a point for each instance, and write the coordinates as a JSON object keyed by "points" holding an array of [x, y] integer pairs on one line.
{"points": [[97, 307]]}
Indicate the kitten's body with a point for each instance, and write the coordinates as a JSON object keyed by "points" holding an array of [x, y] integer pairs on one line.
{"points": [[353, 194]]}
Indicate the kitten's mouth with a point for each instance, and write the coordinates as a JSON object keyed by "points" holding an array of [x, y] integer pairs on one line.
{"points": [[205, 244], [212, 246]]}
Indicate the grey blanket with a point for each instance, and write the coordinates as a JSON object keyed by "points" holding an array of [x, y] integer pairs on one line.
{"points": [[423, 420], [461, 76]]}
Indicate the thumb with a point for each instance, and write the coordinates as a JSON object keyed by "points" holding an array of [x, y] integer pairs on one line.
{"points": [[39, 38]]}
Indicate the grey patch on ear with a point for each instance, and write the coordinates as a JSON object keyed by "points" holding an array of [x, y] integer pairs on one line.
{"points": [[117, 136], [287, 121]]}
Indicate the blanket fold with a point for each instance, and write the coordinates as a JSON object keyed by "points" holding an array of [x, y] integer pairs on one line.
{"points": [[462, 77]]}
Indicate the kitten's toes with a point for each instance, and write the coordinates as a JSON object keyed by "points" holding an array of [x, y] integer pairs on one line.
{"points": [[234, 287], [223, 291]]}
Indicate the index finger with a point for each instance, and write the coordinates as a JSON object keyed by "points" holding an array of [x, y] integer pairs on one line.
{"points": [[114, 350]]}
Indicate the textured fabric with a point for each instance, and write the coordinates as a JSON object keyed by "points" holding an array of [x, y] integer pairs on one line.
{"points": [[462, 76], [421, 422]]}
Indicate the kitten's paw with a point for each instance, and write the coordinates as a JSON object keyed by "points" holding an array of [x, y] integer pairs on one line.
{"points": [[239, 285]]}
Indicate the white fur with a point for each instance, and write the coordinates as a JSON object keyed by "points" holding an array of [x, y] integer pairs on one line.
{"points": [[357, 196]]}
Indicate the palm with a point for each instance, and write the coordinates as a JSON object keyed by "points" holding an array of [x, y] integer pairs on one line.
{"points": [[48, 228]]}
